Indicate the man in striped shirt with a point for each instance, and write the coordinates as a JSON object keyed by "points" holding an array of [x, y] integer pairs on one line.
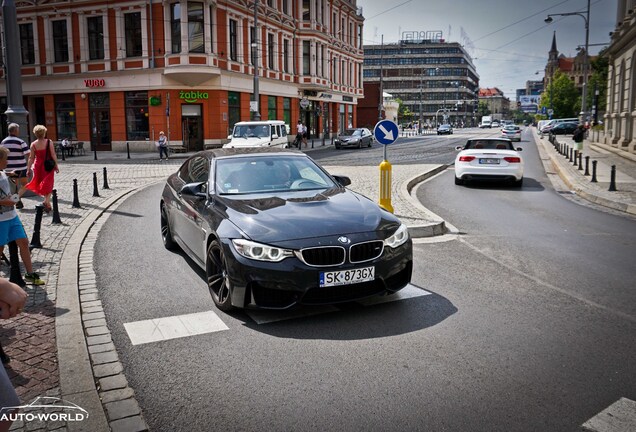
{"points": [[18, 154]]}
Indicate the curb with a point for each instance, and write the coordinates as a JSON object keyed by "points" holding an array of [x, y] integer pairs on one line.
{"points": [[77, 377], [584, 193], [436, 228]]}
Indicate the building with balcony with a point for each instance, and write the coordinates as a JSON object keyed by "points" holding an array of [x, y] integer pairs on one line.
{"points": [[110, 72], [620, 117], [432, 78]]}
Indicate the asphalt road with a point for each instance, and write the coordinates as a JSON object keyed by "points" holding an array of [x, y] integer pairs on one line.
{"points": [[522, 325]]}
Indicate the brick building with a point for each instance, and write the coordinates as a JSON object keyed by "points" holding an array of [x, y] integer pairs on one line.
{"points": [[110, 72]]}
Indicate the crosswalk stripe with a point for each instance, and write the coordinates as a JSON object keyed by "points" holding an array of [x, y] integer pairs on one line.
{"points": [[618, 417], [159, 329]]}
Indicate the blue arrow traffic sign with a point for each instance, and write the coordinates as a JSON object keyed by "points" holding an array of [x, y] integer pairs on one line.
{"points": [[385, 132]]}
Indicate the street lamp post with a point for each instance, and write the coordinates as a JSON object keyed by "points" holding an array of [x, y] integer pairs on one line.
{"points": [[257, 114], [420, 123], [586, 18]]}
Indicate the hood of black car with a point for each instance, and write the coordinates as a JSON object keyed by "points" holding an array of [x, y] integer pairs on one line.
{"points": [[306, 214]]}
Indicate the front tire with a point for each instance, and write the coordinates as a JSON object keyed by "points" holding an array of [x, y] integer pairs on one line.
{"points": [[217, 277], [166, 232]]}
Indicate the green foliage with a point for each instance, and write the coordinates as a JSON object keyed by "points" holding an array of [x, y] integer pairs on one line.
{"points": [[598, 81], [482, 109], [404, 113], [563, 96]]}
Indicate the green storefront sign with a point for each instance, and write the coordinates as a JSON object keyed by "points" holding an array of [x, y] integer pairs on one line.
{"points": [[192, 96]]}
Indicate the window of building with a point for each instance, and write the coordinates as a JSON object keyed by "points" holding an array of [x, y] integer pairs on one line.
{"points": [[60, 41], [132, 25], [233, 39], [175, 27], [270, 3], [95, 28], [252, 43], [286, 56], [26, 44], [271, 108], [286, 7], [136, 103], [212, 15], [233, 109], [195, 27], [306, 57], [65, 116], [270, 51], [306, 10], [287, 111]]}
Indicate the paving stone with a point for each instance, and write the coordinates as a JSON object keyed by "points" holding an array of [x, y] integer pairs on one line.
{"points": [[107, 369], [95, 323], [94, 349], [116, 395], [121, 409], [98, 340], [129, 424], [94, 315], [113, 382], [105, 357]]}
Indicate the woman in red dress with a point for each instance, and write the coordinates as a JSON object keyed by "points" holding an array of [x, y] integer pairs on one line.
{"points": [[42, 181]]}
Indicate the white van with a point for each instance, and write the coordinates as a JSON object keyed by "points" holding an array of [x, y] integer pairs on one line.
{"points": [[265, 133], [486, 122]]}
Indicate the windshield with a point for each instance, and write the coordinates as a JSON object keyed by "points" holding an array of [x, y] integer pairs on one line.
{"points": [[351, 132], [266, 174], [251, 131]]}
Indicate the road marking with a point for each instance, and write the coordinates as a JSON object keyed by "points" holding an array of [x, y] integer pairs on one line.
{"points": [[266, 317], [618, 417], [159, 329]]}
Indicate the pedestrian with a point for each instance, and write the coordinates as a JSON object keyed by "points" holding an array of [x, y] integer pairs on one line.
{"points": [[578, 136], [162, 144], [66, 146], [11, 228], [299, 133], [12, 300], [18, 152], [304, 135], [42, 182]]}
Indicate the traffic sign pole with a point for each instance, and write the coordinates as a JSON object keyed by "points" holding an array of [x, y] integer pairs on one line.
{"points": [[385, 132]]}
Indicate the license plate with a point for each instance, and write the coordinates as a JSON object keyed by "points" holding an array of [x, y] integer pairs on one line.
{"points": [[347, 277], [489, 161]]}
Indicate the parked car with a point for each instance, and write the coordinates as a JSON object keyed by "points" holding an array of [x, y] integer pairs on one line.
{"points": [[354, 138], [444, 129], [564, 128], [272, 229], [512, 132], [266, 133], [488, 159]]}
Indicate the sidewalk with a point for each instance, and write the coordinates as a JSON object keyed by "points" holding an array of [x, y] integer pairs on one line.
{"points": [[623, 199], [60, 346]]}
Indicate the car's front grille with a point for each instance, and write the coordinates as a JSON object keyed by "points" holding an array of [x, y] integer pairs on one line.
{"points": [[324, 256], [365, 251]]}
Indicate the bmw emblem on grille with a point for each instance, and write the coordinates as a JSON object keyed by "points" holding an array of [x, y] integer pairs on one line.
{"points": [[344, 240]]}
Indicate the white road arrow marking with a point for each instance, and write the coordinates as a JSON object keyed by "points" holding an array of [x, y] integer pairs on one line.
{"points": [[387, 134]]}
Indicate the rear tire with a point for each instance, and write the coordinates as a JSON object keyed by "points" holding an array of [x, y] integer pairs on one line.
{"points": [[459, 181], [518, 183], [217, 277], [166, 232]]}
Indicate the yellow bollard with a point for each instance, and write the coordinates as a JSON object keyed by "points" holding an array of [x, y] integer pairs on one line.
{"points": [[385, 186]]}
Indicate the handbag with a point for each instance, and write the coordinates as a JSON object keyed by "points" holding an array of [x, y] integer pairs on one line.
{"points": [[49, 164]]}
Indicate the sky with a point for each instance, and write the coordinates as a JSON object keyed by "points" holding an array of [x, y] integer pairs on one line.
{"points": [[508, 39]]}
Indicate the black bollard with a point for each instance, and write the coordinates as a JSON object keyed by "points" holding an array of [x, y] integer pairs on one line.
{"points": [[587, 165], [594, 172], [576, 156], [16, 274], [35, 239], [95, 152], [95, 191], [128, 149], [312, 143], [580, 161], [612, 186], [571, 153], [105, 179], [76, 202], [56, 208]]}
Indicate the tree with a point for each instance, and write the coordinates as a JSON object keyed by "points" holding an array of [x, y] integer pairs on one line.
{"points": [[482, 109], [562, 96], [404, 113], [598, 81]]}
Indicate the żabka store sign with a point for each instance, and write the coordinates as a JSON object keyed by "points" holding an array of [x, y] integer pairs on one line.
{"points": [[192, 96]]}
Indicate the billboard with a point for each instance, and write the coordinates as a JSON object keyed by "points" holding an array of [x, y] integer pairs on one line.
{"points": [[529, 103]]}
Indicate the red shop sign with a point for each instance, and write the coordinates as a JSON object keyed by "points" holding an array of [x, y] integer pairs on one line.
{"points": [[94, 82]]}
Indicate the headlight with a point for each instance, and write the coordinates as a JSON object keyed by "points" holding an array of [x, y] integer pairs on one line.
{"points": [[398, 238], [260, 252]]}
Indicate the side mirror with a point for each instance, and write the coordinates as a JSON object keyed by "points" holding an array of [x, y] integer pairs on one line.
{"points": [[274, 136], [459, 148], [519, 149], [193, 189], [229, 137], [343, 180]]}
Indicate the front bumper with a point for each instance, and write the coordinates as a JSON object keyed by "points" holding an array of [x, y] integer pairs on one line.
{"points": [[265, 285]]}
